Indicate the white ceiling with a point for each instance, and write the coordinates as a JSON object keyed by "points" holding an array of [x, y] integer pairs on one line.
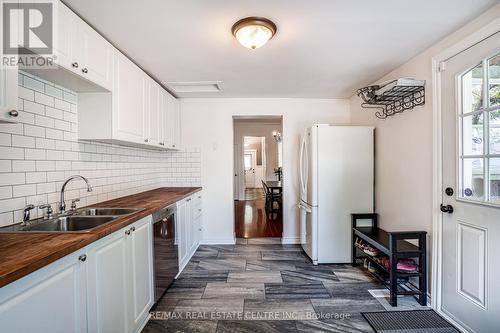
{"points": [[323, 48]]}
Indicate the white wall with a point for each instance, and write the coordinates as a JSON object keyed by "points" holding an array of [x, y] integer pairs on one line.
{"points": [[404, 143], [208, 124], [42, 150]]}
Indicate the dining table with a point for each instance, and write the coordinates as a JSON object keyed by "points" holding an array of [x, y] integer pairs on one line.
{"points": [[274, 185]]}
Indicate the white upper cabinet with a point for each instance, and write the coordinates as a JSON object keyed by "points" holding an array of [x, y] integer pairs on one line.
{"points": [[94, 55], [8, 89], [170, 121], [8, 94], [66, 34], [152, 114], [129, 100]]}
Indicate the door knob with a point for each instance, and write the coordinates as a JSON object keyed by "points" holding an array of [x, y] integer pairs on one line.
{"points": [[446, 208]]}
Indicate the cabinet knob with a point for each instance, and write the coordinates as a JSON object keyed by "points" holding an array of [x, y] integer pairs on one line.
{"points": [[132, 229], [199, 209], [173, 146], [82, 257], [127, 232], [13, 113], [146, 140], [85, 71], [75, 65]]}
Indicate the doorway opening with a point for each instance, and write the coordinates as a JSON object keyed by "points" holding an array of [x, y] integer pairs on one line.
{"points": [[257, 181]]}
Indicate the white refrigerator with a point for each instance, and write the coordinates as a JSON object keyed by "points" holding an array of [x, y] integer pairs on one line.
{"points": [[336, 174]]}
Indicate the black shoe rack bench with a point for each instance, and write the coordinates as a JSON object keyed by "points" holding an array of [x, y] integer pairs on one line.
{"points": [[395, 246]]}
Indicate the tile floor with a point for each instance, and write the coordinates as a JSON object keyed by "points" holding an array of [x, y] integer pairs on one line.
{"points": [[263, 286]]}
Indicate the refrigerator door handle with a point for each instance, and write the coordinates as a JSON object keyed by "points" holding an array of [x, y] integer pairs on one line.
{"points": [[303, 149], [305, 207]]}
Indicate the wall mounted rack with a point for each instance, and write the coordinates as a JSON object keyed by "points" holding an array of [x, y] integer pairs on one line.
{"points": [[393, 97]]}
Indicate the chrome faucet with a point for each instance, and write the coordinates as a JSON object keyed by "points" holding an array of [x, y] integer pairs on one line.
{"points": [[62, 204], [26, 214]]}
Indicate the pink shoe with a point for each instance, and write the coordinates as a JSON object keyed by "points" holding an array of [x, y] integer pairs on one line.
{"points": [[406, 265]]}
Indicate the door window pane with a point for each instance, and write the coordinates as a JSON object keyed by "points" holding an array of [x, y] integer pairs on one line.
{"points": [[473, 178], [472, 134], [248, 161], [495, 179], [495, 132], [494, 80], [472, 88]]}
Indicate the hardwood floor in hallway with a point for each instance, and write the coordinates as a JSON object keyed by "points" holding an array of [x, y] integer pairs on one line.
{"points": [[251, 220]]}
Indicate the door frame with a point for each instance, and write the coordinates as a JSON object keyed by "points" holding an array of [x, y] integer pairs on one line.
{"points": [[472, 39]]}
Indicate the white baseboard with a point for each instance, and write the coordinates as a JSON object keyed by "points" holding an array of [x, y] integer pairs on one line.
{"points": [[290, 240], [218, 241]]}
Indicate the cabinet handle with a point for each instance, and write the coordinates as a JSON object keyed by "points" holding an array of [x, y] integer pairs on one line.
{"points": [[13, 113], [173, 146], [75, 65], [199, 209], [127, 232], [85, 71], [199, 229], [82, 257], [146, 140], [132, 229], [188, 200], [162, 144]]}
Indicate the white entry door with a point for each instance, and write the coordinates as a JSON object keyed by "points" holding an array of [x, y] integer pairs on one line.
{"points": [[249, 159], [470, 83]]}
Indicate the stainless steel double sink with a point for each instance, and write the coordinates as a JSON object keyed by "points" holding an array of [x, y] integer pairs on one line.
{"points": [[81, 220]]}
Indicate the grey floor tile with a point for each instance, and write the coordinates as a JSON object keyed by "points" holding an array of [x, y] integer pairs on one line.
{"points": [[345, 306], [234, 290], [230, 264], [355, 291], [279, 309], [296, 291], [348, 325], [270, 265], [255, 255], [213, 308], [205, 252], [185, 290], [353, 274], [254, 277], [268, 247], [200, 276], [180, 326], [305, 276], [267, 240], [241, 241], [284, 255], [165, 304], [252, 326]]}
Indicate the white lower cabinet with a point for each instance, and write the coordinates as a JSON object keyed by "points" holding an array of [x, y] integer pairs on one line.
{"points": [[189, 227], [52, 299], [120, 289], [104, 287]]}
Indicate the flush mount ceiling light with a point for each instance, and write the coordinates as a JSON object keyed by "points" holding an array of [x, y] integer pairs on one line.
{"points": [[254, 32]]}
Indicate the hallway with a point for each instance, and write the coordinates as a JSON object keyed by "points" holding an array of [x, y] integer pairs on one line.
{"points": [[251, 220]]}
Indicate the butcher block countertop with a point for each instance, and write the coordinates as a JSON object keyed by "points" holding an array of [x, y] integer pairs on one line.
{"points": [[24, 252]]}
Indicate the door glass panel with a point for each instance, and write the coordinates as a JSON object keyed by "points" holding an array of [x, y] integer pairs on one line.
{"points": [[248, 161], [494, 80], [472, 89], [472, 134], [473, 178], [495, 132], [495, 179]]}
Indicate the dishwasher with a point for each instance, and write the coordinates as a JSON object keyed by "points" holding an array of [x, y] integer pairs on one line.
{"points": [[166, 264]]}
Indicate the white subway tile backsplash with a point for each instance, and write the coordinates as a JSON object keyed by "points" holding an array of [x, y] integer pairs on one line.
{"points": [[40, 152], [33, 107], [44, 99]]}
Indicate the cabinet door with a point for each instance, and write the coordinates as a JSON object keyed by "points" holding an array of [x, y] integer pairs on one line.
{"points": [[52, 299], [108, 285], [95, 55], [67, 37], [176, 124], [140, 271], [152, 116], [182, 232], [8, 94], [189, 225], [129, 92]]}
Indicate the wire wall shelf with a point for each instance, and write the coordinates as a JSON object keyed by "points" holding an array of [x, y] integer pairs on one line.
{"points": [[392, 98]]}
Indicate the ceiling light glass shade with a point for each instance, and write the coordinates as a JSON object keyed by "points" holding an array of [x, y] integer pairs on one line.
{"points": [[253, 32]]}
